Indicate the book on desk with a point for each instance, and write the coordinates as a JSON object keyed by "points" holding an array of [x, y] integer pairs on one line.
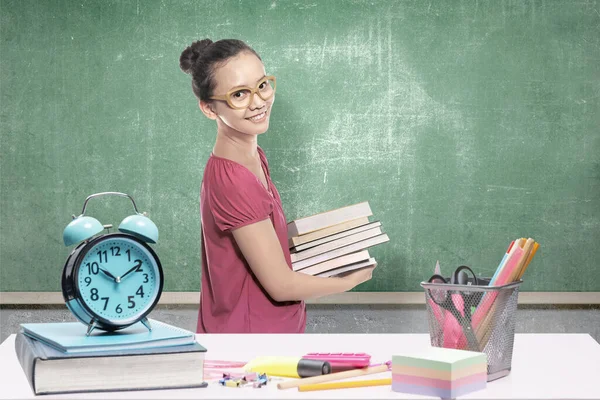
{"points": [[57, 360]]}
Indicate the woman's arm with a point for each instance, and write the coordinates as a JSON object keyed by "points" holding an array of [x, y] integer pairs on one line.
{"points": [[261, 248]]}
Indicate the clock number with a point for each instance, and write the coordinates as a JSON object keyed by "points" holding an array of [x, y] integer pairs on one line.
{"points": [[131, 302], [88, 280], [140, 291], [138, 264], [119, 310], [93, 268], [115, 251], [94, 293], [145, 278], [105, 302], [128, 255], [103, 253]]}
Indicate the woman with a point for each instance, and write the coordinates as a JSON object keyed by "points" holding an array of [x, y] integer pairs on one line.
{"points": [[248, 285]]}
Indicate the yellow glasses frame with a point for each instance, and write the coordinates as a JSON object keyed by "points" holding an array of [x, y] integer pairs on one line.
{"points": [[226, 97]]}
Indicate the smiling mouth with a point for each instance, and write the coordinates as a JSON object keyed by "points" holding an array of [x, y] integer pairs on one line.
{"points": [[258, 118]]}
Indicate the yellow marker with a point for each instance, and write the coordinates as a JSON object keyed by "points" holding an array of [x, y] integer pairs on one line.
{"points": [[345, 385], [291, 367]]}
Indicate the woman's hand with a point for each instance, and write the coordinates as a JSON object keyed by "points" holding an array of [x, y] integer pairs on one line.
{"points": [[358, 276]]}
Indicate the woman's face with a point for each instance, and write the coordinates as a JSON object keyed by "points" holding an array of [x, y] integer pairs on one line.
{"points": [[243, 70]]}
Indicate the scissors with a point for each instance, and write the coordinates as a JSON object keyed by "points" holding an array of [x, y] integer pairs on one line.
{"points": [[458, 302]]}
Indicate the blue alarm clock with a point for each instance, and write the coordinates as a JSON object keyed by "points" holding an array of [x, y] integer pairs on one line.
{"points": [[113, 280]]}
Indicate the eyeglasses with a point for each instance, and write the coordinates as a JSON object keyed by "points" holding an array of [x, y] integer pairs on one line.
{"points": [[242, 96]]}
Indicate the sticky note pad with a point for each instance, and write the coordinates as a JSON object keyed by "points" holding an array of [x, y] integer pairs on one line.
{"points": [[436, 371]]}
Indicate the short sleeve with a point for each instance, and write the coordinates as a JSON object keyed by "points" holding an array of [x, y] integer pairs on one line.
{"points": [[236, 197]]}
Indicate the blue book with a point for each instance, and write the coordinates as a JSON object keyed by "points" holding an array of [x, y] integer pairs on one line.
{"points": [[70, 337]]}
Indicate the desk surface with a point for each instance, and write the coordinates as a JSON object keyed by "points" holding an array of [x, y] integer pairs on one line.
{"points": [[545, 366]]}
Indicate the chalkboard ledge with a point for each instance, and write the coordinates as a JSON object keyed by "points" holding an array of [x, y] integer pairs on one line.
{"points": [[192, 298]]}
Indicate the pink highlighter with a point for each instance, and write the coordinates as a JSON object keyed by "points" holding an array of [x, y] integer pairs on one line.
{"points": [[342, 361]]}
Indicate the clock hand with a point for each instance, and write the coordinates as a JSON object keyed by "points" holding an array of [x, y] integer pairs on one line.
{"points": [[105, 272], [128, 272]]}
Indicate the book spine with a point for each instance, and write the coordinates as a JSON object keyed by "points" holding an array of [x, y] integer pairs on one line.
{"points": [[339, 235], [27, 357], [325, 219], [335, 244], [341, 251], [292, 230]]}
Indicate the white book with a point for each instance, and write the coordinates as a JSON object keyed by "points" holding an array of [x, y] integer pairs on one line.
{"points": [[321, 233], [341, 251], [329, 238], [335, 244], [348, 268], [328, 218], [337, 262]]}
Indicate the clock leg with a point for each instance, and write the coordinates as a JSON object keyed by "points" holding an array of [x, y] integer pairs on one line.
{"points": [[91, 327], [146, 323]]}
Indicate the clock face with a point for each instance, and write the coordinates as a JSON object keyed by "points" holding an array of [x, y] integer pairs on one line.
{"points": [[118, 280]]}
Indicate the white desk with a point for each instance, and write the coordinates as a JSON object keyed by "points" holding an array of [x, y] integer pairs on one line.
{"points": [[545, 366]]}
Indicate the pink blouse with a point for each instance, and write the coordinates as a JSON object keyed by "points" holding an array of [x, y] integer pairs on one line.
{"points": [[232, 299]]}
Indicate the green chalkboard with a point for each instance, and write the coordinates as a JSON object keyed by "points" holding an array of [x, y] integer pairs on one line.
{"points": [[465, 124]]}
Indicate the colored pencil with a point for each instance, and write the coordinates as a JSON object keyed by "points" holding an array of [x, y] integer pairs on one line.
{"points": [[514, 276], [536, 245], [332, 377], [345, 385], [502, 262]]}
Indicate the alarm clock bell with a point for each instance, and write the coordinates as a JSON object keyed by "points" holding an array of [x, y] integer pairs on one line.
{"points": [[84, 227]]}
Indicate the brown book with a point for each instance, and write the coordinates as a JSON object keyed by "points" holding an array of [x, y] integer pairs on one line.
{"points": [[335, 244], [337, 262], [326, 219], [347, 268], [321, 233], [352, 248]]}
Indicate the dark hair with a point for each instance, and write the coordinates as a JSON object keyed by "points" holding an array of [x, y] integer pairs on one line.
{"points": [[202, 57]]}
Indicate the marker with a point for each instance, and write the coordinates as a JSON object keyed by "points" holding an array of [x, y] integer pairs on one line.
{"points": [[291, 367]]}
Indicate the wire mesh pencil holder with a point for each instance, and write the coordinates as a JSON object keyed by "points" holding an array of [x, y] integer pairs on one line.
{"points": [[476, 318]]}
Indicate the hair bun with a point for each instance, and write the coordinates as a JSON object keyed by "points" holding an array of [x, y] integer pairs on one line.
{"points": [[191, 54]]}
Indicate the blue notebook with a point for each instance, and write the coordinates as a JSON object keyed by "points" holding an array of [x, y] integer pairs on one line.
{"points": [[69, 337]]}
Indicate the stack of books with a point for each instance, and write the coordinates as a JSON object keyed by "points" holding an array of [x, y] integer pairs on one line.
{"points": [[334, 242], [60, 358]]}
